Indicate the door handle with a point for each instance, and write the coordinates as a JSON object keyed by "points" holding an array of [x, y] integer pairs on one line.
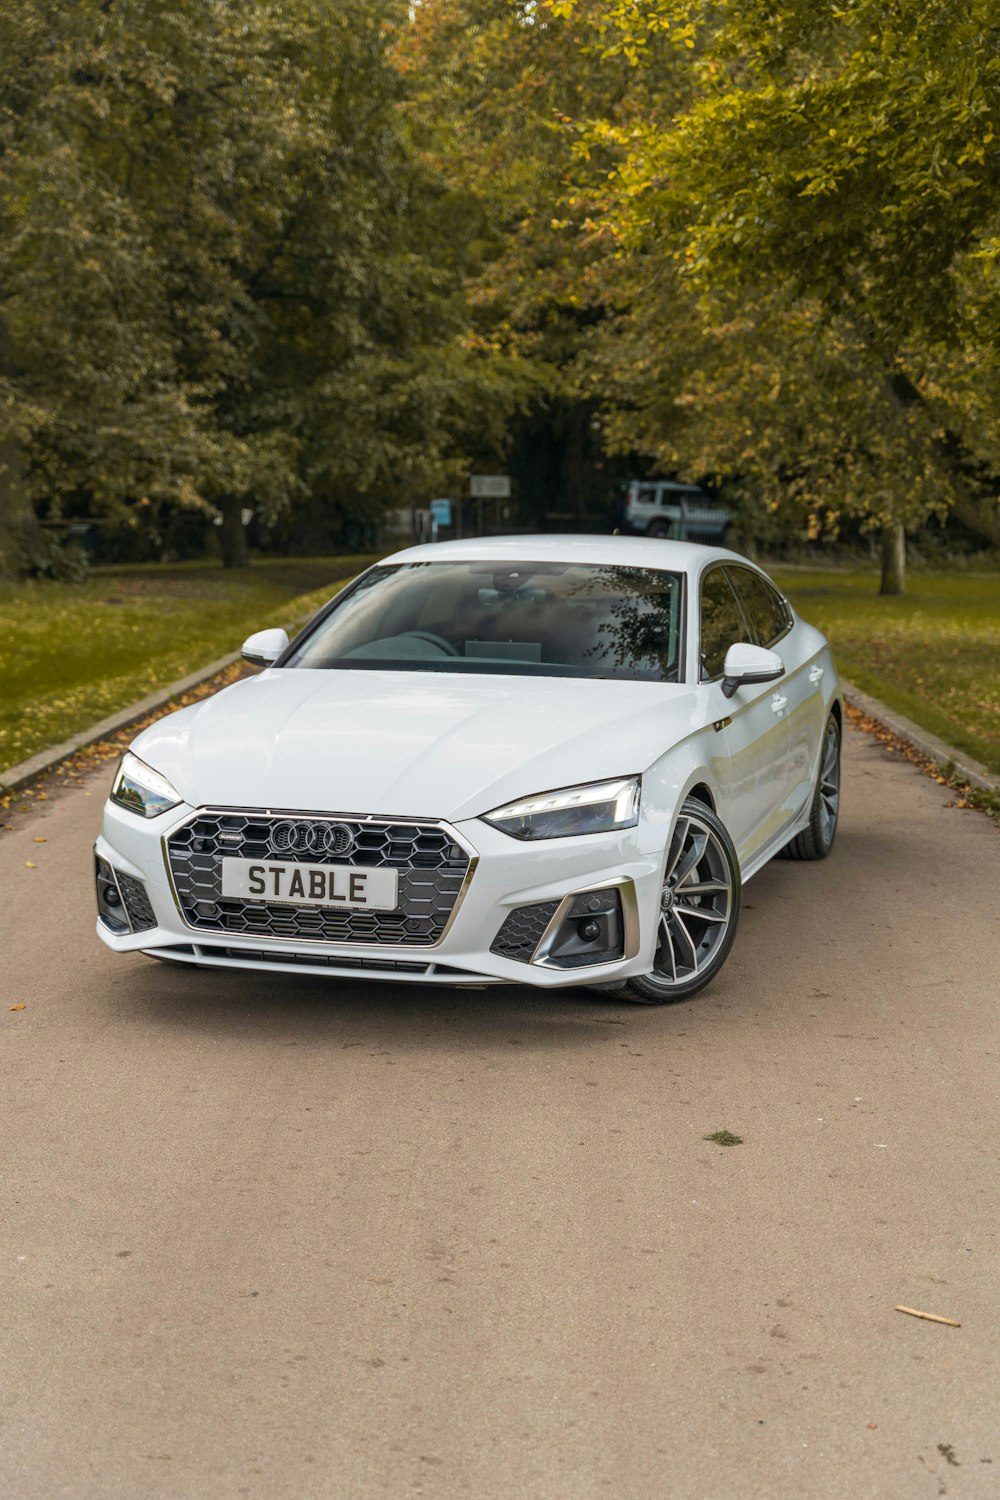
{"points": [[778, 703], [816, 674]]}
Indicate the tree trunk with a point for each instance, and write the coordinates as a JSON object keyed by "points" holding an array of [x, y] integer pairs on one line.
{"points": [[893, 559], [573, 461], [232, 533], [13, 506]]}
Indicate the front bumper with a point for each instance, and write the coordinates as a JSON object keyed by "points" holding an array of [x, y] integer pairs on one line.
{"points": [[505, 877]]}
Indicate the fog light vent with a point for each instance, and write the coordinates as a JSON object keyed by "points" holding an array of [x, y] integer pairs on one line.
{"points": [[137, 903], [591, 932], [522, 931], [123, 904]]}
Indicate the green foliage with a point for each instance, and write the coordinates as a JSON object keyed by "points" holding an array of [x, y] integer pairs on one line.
{"points": [[228, 277], [275, 253], [806, 300], [501, 93]]}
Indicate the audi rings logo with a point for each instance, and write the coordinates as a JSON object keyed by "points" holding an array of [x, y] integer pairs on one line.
{"points": [[311, 838]]}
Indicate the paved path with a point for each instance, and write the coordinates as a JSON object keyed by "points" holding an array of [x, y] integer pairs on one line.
{"points": [[293, 1239]]}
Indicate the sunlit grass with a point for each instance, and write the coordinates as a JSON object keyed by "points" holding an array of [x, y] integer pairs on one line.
{"points": [[72, 653], [933, 655]]}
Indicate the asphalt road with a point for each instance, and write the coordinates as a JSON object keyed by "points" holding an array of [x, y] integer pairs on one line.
{"points": [[293, 1239]]}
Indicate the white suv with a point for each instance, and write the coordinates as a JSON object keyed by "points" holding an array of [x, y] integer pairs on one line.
{"points": [[664, 508]]}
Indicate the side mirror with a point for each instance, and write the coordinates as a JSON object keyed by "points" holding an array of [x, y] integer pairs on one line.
{"points": [[746, 663], [265, 647]]}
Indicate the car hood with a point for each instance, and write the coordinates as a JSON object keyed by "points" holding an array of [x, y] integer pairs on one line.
{"points": [[408, 744]]}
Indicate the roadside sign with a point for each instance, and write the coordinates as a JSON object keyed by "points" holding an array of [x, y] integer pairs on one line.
{"points": [[490, 486], [441, 512]]}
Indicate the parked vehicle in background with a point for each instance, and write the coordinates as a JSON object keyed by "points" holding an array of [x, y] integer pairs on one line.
{"points": [[663, 508]]}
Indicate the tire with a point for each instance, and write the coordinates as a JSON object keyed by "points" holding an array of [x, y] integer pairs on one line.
{"points": [[658, 530], [816, 839], [692, 948]]}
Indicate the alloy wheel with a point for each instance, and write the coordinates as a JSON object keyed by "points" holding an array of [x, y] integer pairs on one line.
{"points": [[696, 903], [829, 783]]}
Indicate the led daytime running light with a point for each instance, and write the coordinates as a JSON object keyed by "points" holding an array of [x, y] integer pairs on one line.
{"points": [[596, 807], [142, 790]]}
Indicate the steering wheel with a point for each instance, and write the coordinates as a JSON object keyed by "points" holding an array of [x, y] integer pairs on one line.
{"points": [[444, 646]]}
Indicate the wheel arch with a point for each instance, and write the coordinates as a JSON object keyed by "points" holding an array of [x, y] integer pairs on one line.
{"points": [[702, 792]]}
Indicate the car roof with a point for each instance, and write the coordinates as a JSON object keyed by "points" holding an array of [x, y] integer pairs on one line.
{"points": [[674, 484], [625, 551]]}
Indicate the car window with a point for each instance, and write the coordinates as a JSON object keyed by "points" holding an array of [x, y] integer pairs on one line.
{"points": [[764, 606], [523, 618], [722, 622]]}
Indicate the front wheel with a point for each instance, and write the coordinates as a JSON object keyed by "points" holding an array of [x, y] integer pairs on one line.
{"points": [[699, 909]]}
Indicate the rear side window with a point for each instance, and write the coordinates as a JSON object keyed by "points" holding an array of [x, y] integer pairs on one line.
{"points": [[764, 606], [722, 623]]}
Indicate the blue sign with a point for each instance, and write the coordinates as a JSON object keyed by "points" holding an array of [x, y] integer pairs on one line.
{"points": [[441, 512]]}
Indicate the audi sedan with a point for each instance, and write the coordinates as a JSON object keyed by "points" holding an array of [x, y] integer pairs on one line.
{"points": [[544, 760]]}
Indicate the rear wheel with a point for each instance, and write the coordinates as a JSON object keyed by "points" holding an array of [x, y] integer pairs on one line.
{"points": [[659, 529], [699, 909], [816, 839]]}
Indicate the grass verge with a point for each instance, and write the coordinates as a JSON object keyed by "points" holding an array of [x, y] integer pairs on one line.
{"points": [[933, 655], [72, 653]]}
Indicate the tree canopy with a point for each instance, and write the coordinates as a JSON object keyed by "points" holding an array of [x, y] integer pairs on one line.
{"points": [[229, 278], [273, 254]]}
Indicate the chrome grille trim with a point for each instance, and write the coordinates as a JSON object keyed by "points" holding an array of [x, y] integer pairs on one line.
{"points": [[417, 868]]}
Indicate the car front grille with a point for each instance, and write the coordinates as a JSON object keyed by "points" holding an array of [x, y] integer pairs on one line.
{"points": [[432, 868]]}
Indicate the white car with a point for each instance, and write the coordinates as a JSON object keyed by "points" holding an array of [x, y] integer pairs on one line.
{"points": [[544, 760]]}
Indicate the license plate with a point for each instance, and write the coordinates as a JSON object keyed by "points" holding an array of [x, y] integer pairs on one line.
{"points": [[296, 884]]}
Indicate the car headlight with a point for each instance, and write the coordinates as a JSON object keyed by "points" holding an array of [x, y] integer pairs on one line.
{"points": [[141, 789], [599, 807]]}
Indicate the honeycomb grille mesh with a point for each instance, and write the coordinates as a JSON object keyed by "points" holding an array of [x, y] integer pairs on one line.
{"points": [[140, 912], [432, 869], [522, 931]]}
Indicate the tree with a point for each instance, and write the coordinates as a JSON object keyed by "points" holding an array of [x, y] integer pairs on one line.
{"points": [[833, 169], [229, 278], [501, 89]]}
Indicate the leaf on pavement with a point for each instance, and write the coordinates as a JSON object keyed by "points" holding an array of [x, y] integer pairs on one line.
{"points": [[15, 1007]]}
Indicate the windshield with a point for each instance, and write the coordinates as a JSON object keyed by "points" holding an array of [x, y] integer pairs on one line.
{"points": [[538, 619]]}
